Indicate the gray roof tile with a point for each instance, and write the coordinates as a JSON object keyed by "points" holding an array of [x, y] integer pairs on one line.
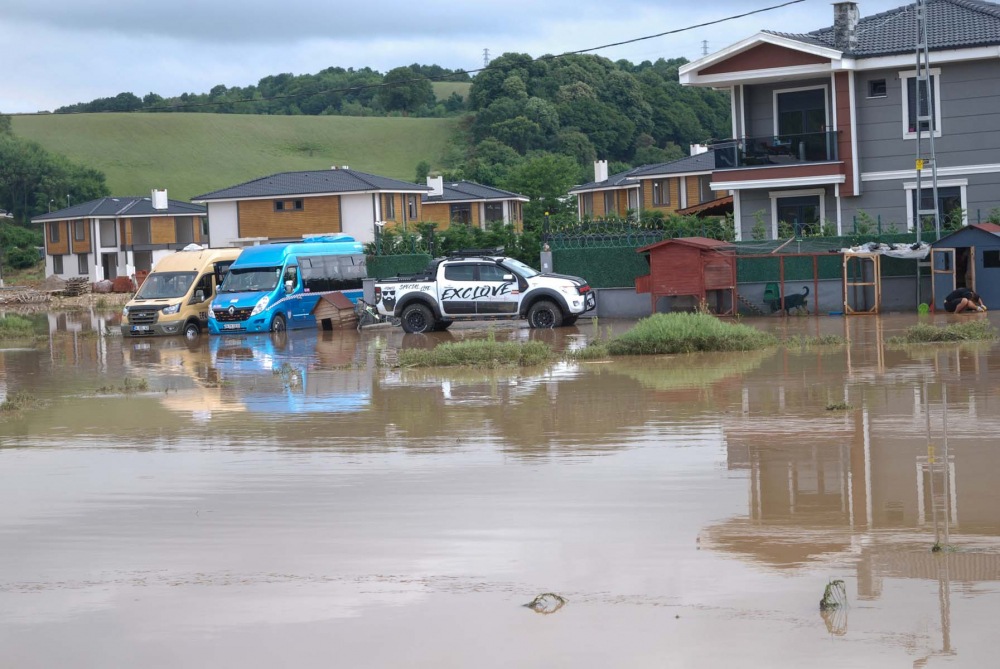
{"points": [[703, 162], [469, 190], [620, 179], [311, 183], [121, 206]]}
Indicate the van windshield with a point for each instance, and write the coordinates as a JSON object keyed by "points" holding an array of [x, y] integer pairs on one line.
{"points": [[162, 285], [251, 279]]}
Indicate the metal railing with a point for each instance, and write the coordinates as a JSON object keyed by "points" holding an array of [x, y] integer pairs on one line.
{"points": [[793, 149]]}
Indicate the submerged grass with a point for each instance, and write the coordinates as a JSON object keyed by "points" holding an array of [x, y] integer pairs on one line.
{"points": [[825, 340], [924, 333], [688, 333], [839, 406], [16, 327], [17, 401], [478, 353]]}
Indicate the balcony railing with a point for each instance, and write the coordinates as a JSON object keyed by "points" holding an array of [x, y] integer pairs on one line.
{"points": [[810, 147]]}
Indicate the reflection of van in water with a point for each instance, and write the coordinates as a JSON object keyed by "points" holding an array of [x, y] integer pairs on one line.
{"points": [[175, 297], [276, 286]]}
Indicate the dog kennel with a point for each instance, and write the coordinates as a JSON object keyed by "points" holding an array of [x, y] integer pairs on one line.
{"points": [[691, 266]]}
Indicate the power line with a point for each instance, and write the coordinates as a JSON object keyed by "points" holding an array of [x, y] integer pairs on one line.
{"points": [[487, 67]]}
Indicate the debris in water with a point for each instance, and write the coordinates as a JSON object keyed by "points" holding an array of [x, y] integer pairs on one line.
{"points": [[839, 406], [834, 597], [546, 603]]}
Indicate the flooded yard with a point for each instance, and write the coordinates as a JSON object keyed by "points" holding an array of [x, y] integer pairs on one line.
{"points": [[298, 501]]}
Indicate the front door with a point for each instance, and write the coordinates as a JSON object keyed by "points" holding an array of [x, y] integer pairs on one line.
{"points": [[942, 275], [499, 296], [109, 263], [458, 292]]}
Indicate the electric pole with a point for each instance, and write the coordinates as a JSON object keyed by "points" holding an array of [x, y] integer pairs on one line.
{"points": [[486, 57], [704, 47]]}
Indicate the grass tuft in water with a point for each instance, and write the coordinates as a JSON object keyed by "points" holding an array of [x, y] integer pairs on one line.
{"points": [[17, 401], [16, 327], [129, 385], [839, 406], [688, 333], [924, 333], [478, 353], [825, 340]]}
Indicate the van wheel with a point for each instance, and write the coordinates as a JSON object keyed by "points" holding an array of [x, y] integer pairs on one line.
{"points": [[278, 324], [417, 318], [192, 330], [545, 314]]}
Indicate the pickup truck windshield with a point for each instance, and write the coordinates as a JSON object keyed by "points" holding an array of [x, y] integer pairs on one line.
{"points": [[251, 279], [162, 285], [520, 268]]}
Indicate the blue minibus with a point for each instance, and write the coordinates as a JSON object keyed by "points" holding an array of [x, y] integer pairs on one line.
{"points": [[275, 287]]}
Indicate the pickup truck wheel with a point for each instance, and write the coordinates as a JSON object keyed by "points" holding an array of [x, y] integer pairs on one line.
{"points": [[417, 319], [441, 326], [545, 314]]}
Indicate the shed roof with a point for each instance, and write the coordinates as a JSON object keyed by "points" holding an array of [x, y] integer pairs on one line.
{"points": [[338, 300], [989, 228], [703, 243]]}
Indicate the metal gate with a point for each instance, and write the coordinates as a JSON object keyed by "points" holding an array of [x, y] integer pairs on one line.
{"points": [[942, 275]]}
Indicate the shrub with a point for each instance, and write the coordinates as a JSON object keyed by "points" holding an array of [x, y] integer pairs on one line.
{"points": [[924, 333], [478, 353], [688, 333], [22, 258], [15, 326]]}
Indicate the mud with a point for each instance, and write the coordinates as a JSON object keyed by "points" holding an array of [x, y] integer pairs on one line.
{"points": [[294, 502]]}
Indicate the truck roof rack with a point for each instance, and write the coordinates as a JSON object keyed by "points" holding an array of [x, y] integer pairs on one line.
{"points": [[476, 253]]}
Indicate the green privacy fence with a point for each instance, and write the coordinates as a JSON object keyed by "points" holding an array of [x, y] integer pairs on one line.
{"points": [[601, 267], [381, 267]]}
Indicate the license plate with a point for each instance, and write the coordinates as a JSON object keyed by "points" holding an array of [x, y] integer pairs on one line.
{"points": [[140, 328], [231, 326], [141, 347], [591, 301]]}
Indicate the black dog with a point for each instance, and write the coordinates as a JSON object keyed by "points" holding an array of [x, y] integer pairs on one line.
{"points": [[793, 301]]}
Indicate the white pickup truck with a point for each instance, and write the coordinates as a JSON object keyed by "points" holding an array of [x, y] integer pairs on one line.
{"points": [[482, 285]]}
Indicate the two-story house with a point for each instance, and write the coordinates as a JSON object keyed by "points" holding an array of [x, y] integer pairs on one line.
{"points": [[290, 205], [115, 236], [824, 124]]}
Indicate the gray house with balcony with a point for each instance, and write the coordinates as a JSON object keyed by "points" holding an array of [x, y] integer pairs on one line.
{"points": [[824, 124]]}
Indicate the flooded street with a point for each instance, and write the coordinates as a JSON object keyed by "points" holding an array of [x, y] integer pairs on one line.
{"points": [[299, 502]]}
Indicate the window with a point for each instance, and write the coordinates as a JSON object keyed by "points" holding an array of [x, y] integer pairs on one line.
{"points": [[800, 112], [460, 272], [291, 274], [334, 272], [205, 286], [298, 205], [140, 231], [661, 192], [913, 89], [54, 233], [82, 266], [461, 213], [800, 214], [411, 207], [204, 227], [57, 265], [494, 211], [79, 231], [279, 205], [492, 273], [609, 203], [991, 259], [876, 88], [588, 204], [143, 261], [949, 206], [705, 192], [388, 207], [184, 229], [108, 233]]}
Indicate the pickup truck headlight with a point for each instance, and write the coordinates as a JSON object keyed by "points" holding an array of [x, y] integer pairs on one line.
{"points": [[172, 309], [261, 305]]}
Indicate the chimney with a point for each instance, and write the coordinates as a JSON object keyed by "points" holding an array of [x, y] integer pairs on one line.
{"points": [[698, 148], [437, 186], [160, 199], [601, 170], [845, 26]]}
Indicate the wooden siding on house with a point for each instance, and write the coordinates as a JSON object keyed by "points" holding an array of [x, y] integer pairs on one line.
{"points": [[81, 246], [693, 191], [62, 246], [257, 218], [161, 230], [673, 184]]}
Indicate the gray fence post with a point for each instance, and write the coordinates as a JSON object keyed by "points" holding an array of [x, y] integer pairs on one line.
{"points": [[546, 261]]}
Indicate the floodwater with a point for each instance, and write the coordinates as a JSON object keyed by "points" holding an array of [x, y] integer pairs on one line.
{"points": [[293, 503]]}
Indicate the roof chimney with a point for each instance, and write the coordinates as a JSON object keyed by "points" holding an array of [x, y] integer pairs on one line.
{"points": [[845, 26], [160, 199], [601, 170], [437, 186], [698, 148]]}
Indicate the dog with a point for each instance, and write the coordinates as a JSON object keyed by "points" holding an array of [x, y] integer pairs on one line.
{"points": [[793, 301]]}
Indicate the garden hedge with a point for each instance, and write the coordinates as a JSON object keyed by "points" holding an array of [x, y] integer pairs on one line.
{"points": [[382, 267]]}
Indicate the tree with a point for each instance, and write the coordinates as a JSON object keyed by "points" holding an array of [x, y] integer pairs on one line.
{"points": [[407, 91], [423, 169], [5, 125], [545, 178]]}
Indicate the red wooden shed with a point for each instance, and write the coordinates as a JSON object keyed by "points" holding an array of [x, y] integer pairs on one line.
{"points": [[690, 266]]}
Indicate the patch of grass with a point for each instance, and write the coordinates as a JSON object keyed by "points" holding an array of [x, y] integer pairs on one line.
{"points": [[29, 276], [924, 333], [442, 89], [16, 327], [597, 350], [17, 401], [688, 333], [478, 353], [825, 340], [839, 406], [101, 304], [128, 386], [198, 153]]}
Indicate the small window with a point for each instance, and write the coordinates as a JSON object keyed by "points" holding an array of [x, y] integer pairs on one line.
{"points": [[279, 205], [991, 259], [298, 205], [661, 192], [108, 236], [184, 229], [57, 265], [460, 272], [140, 231], [54, 232], [204, 227], [79, 231], [411, 207], [82, 267], [388, 207], [588, 204], [876, 88], [609, 202], [914, 90], [705, 192]]}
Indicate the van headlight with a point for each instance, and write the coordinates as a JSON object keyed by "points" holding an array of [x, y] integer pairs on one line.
{"points": [[124, 312], [260, 306], [172, 309]]}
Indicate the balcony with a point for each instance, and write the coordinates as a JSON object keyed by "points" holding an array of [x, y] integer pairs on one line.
{"points": [[782, 150]]}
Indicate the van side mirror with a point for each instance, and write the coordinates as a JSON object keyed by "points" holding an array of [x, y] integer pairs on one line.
{"points": [[289, 286], [199, 296], [509, 278]]}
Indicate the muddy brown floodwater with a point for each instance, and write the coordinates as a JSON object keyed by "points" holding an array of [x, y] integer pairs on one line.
{"points": [[291, 503]]}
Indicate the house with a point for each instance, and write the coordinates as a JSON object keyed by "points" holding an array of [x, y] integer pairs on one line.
{"points": [[290, 205], [824, 124], [673, 187], [471, 203], [117, 236], [968, 258]]}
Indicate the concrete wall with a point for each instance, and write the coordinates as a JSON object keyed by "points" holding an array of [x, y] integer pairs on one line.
{"points": [[223, 223]]}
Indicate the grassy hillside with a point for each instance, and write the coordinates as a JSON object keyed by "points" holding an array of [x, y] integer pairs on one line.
{"points": [[442, 89], [190, 154]]}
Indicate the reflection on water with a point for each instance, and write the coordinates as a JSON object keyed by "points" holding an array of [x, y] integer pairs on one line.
{"points": [[274, 497]]}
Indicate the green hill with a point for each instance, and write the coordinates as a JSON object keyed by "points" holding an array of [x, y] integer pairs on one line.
{"points": [[190, 154]]}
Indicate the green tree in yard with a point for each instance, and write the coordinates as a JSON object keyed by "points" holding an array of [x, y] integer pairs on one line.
{"points": [[408, 92], [423, 169], [544, 178]]}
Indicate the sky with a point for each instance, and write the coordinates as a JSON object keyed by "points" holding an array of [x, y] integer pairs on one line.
{"points": [[57, 52]]}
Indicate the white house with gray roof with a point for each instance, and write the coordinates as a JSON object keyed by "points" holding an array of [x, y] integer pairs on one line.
{"points": [[824, 123]]}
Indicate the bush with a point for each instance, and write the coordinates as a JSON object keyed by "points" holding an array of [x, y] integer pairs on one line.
{"points": [[22, 258], [381, 267], [688, 333], [924, 333], [478, 353]]}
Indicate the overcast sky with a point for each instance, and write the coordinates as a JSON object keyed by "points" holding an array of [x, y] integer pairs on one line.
{"points": [[56, 52]]}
